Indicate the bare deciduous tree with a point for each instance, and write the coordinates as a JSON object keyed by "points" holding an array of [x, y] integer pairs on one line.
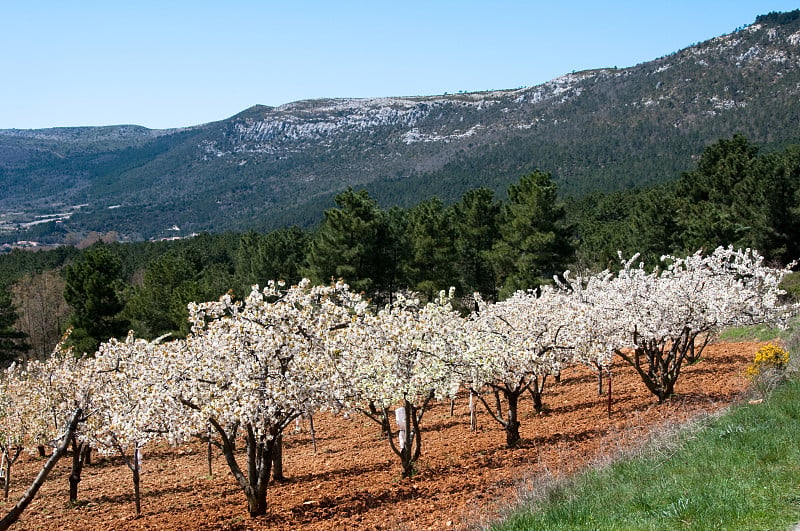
{"points": [[42, 310]]}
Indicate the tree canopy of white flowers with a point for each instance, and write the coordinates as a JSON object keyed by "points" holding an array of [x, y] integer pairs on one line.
{"points": [[53, 390], [54, 399], [136, 405], [658, 319], [15, 429], [516, 343], [257, 365], [401, 356]]}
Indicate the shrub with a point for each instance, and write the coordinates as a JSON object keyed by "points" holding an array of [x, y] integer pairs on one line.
{"points": [[768, 368], [768, 357]]}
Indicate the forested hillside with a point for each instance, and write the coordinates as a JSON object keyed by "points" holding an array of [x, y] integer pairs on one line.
{"points": [[735, 194], [604, 130]]}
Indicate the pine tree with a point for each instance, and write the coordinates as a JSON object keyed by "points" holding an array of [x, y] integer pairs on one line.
{"points": [[93, 286], [158, 306], [12, 342], [353, 244], [476, 221], [431, 236], [536, 243], [713, 206], [278, 255]]}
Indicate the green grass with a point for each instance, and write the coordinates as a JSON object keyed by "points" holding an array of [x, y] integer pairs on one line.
{"points": [[752, 333], [739, 471]]}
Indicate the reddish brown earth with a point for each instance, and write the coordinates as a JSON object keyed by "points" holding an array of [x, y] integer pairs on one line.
{"points": [[353, 481]]}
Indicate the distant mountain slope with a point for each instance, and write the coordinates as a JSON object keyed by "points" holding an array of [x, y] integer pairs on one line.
{"points": [[603, 129]]}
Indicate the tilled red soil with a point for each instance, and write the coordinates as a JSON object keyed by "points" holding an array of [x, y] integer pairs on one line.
{"points": [[353, 481]]}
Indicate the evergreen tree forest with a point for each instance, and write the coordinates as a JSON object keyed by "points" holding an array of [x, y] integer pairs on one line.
{"points": [[735, 194]]}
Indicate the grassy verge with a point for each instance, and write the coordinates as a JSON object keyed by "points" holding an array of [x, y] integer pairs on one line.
{"points": [[740, 471], [753, 333]]}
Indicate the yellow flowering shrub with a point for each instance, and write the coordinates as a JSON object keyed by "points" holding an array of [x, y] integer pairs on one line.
{"points": [[768, 357]]}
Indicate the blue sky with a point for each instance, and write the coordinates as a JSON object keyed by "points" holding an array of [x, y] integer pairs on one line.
{"points": [[177, 63]]}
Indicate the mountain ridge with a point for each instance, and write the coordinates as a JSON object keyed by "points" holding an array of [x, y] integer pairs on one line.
{"points": [[602, 129]]}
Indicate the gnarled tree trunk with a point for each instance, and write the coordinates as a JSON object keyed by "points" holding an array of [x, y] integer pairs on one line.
{"points": [[409, 446], [510, 421], [9, 458], [260, 456], [536, 389], [78, 460], [659, 363], [277, 459]]}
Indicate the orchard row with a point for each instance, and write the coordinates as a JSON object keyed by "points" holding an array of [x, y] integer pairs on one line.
{"points": [[251, 367]]}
